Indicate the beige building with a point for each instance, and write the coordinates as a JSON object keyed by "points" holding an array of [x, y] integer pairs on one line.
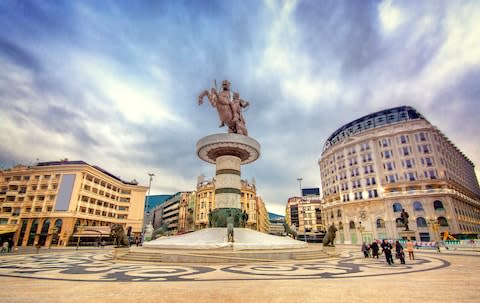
{"points": [[379, 164], [176, 213], [304, 214], [253, 205], [66, 202], [263, 221]]}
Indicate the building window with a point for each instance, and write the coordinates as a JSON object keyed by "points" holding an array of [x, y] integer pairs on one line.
{"points": [[397, 207], [438, 205], [417, 206], [380, 223], [421, 222], [389, 166], [411, 176], [399, 222], [442, 221], [406, 150], [425, 237], [351, 225]]}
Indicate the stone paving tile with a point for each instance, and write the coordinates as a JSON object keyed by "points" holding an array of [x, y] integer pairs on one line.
{"points": [[91, 276]]}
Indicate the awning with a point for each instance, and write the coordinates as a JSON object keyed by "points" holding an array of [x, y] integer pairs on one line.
{"points": [[7, 229]]}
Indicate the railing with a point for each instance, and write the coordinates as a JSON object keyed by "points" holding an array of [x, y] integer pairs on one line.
{"points": [[418, 192]]}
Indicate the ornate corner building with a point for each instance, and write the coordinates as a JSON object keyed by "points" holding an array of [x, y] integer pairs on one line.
{"points": [[66, 202], [249, 201], [394, 159]]}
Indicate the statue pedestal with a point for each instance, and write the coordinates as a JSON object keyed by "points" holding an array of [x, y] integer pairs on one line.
{"points": [[228, 152], [406, 234], [147, 236]]}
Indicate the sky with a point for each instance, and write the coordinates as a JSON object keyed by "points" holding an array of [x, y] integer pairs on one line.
{"points": [[115, 83]]}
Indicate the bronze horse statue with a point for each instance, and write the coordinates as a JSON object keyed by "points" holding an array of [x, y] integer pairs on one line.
{"points": [[118, 235], [226, 109]]}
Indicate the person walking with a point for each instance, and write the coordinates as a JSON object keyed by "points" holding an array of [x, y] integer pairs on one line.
{"points": [[387, 250], [4, 247], [375, 249], [411, 256], [10, 245], [365, 250], [399, 252]]}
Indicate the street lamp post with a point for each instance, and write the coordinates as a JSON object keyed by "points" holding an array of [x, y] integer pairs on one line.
{"points": [[151, 175], [361, 229], [434, 225]]}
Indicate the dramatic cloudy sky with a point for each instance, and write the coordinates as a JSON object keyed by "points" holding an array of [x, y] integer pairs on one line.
{"points": [[115, 83]]}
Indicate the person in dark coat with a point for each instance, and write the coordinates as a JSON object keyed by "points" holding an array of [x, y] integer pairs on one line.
{"points": [[399, 250], [387, 250], [375, 249], [10, 245], [365, 249]]}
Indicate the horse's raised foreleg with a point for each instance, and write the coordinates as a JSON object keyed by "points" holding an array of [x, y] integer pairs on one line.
{"points": [[201, 96]]}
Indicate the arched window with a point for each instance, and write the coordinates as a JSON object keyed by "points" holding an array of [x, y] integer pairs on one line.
{"points": [[352, 224], [438, 205], [442, 221], [399, 222], [58, 226], [339, 213], [380, 223], [45, 227], [33, 232], [340, 225], [421, 222], [331, 214], [397, 207], [417, 206]]}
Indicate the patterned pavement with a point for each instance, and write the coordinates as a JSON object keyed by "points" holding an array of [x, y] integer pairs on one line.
{"points": [[90, 266]]}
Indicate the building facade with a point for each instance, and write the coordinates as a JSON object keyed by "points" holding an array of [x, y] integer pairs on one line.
{"points": [[304, 214], [377, 165], [249, 201], [276, 224], [175, 213], [57, 203], [262, 217]]}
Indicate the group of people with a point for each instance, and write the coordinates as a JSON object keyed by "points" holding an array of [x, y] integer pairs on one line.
{"points": [[373, 250]]}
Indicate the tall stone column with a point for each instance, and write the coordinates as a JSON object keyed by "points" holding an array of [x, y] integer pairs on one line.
{"points": [[228, 152]]}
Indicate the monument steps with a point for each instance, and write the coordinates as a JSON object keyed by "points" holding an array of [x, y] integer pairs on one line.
{"points": [[221, 256]]}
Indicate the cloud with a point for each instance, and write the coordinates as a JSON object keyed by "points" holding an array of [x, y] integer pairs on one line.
{"points": [[116, 83]]}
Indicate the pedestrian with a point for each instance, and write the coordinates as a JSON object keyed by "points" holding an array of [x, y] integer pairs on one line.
{"points": [[399, 252], [375, 249], [38, 246], [4, 247], [387, 250], [437, 246], [410, 250], [10, 245], [102, 244], [365, 250]]}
